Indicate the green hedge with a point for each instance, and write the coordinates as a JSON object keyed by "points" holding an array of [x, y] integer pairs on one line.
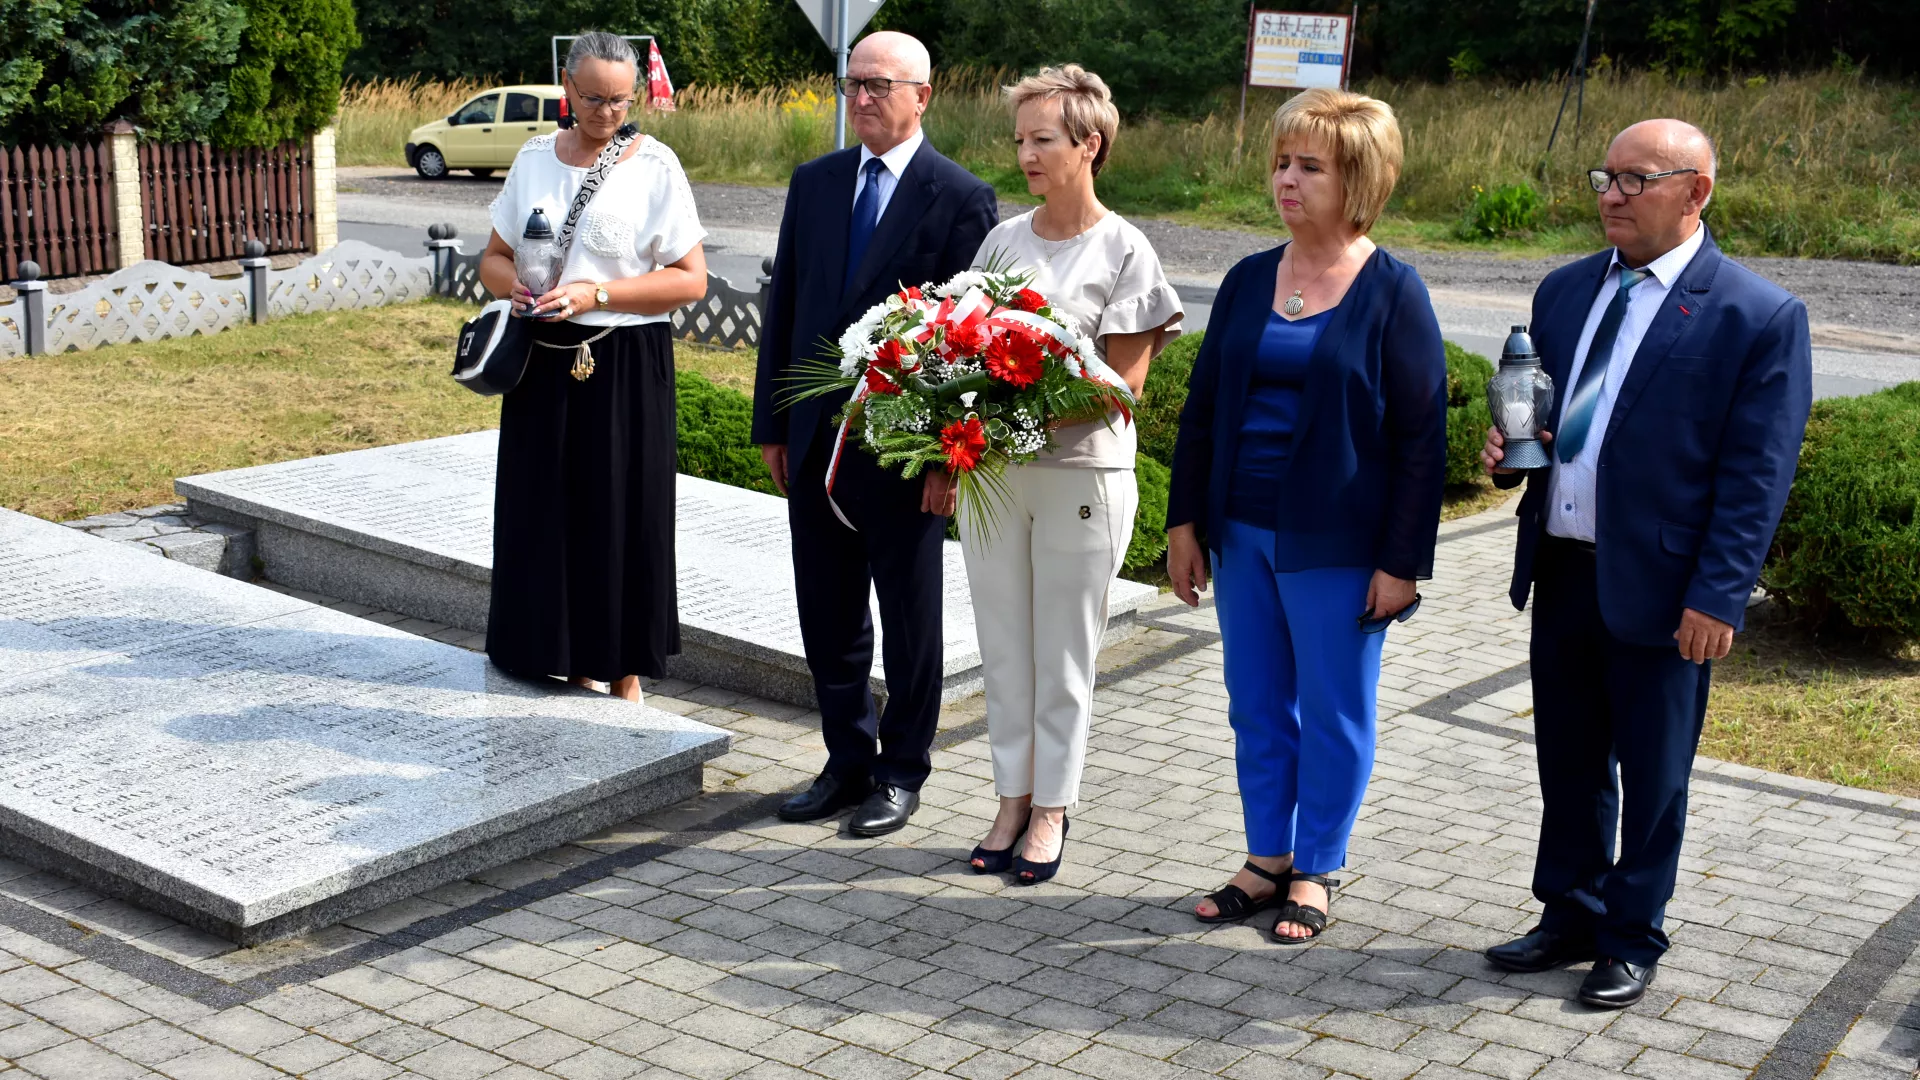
{"points": [[1467, 415], [1149, 543], [1848, 547], [712, 432], [1166, 393]]}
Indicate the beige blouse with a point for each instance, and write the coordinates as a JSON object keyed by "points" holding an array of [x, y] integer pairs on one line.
{"points": [[1106, 281]]}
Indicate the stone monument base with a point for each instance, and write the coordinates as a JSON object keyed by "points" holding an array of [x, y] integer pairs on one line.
{"points": [[256, 766], [409, 528]]}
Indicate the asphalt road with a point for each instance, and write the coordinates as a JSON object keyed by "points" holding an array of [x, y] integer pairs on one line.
{"points": [[1866, 316]]}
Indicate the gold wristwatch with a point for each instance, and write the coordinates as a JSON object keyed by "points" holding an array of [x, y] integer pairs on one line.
{"points": [[600, 297]]}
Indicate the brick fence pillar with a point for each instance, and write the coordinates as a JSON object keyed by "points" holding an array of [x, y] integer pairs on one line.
{"points": [[326, 202], [123, 154]]}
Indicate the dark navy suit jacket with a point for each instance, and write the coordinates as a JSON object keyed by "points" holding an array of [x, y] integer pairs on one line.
{"points": [[1363, 486], [1699, 452], [932, 227]]}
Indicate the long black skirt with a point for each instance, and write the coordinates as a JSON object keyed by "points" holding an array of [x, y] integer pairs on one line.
{"points": [[583, 568]]}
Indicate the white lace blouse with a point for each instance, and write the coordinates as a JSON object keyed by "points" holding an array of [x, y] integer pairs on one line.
{"points": [[642, 219]]}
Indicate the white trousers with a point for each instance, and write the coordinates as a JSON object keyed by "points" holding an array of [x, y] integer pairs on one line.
{"points": [[1039, 577]]}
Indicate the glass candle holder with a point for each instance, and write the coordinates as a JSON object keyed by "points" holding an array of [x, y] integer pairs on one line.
{"points": [[1520, 396]]}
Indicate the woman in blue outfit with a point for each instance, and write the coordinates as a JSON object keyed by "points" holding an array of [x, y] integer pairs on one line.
{"points": [[1309, 463]]}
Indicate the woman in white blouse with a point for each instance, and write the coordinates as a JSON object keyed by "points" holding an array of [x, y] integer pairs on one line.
{"points": [[1040, 576], [583, 565]]}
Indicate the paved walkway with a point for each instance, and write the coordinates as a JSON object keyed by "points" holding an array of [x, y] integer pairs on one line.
{"points": [[711, 941]]}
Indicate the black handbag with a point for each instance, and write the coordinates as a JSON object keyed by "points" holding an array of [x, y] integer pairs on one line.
{"points": [[490, 356]]}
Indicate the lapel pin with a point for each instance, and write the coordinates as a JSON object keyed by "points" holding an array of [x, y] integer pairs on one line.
{"points": [[1683, 310]]}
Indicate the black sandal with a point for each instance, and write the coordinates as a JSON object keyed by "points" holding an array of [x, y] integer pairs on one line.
{"points": [[1301, 915], [995, 862], [1231, 904]]}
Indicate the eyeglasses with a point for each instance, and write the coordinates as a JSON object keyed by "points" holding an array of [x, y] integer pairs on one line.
{"points": [[1374, 626], [877, 89], [1630, 183], [619, 105]]}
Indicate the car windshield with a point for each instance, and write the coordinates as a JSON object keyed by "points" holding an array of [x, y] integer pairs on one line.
{"points": [[478, 111]]}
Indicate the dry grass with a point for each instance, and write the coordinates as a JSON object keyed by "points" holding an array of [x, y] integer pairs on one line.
{"points": [[1844, 713], [93, 432], [1822, 164]]}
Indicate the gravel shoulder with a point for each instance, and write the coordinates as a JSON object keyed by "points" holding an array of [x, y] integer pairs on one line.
{"points": [[1879, 302]]}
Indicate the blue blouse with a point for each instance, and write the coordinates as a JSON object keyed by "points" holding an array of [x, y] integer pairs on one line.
{"points": [[1273, 406]]}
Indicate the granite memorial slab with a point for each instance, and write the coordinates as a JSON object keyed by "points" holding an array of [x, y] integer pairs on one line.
{"points": [[257, 766], [409, 528]]}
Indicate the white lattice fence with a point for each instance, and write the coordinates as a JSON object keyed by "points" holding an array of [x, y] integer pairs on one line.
{"points": [[351, 275], [147, 301]]}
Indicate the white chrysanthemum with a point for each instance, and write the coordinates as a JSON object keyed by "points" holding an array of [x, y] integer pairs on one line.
{"points": [[961, 282]]}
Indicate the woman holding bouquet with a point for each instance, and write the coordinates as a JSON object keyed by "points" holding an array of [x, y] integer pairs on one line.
{"points": [[1311, 453], [1040, 570]]}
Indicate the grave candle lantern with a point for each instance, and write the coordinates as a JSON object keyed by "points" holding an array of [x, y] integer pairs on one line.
{"points": [[1520, 396]]}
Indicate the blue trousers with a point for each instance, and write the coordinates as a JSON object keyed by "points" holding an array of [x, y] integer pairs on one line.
{"points": [[1301, 683]]}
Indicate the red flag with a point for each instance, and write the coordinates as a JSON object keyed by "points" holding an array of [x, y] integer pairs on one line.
{"points": [[659, 87]]}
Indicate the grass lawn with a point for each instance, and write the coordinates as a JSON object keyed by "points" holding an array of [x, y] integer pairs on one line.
{"points": [[93, 432], [1840, 712]]}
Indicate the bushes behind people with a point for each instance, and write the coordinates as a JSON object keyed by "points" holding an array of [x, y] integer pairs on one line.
{"points": [[1467, 415], [713, 429], [1847, 551]]}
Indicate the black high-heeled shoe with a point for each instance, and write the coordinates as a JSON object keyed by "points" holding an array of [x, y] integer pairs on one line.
{"points": [[995, 862], [1028, 872]]}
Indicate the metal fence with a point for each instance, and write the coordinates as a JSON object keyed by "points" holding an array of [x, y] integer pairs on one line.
{"points": [[154, 300]]}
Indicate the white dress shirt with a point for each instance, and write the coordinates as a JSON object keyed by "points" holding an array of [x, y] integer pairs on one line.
{"points": [[1570, 492], [892, 164]]}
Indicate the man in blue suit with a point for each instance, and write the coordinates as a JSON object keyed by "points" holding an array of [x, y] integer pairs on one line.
{"points": [[1683, 383], [859, 224]]}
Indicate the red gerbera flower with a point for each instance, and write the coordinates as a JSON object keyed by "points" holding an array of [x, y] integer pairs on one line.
{"points": [[963, 441], [1015, 359], [877, 381], [1028, 300]]}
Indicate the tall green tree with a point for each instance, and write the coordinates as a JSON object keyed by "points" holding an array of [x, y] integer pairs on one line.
{"points": [[69, 66], [285, 80]]}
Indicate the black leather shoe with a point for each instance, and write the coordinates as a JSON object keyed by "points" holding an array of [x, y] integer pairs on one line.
{"points": [[1616, 984], [884, 811], [1541, 950], [827, 797]]}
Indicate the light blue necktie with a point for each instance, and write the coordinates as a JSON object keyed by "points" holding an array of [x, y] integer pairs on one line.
{"points": [[1578, 416], [866, 218]]}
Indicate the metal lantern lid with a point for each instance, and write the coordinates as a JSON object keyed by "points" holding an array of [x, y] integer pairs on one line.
{"points": [[537, 226], [1519, 349]]}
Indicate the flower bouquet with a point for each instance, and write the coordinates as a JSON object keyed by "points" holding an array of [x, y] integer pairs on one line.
{"points": [[971, 375]]}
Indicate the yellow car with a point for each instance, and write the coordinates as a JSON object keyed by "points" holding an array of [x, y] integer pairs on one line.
{"points": [[484, 134]]}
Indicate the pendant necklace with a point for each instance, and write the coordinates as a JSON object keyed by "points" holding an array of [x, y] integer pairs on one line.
{"points": [[1294, 303]]}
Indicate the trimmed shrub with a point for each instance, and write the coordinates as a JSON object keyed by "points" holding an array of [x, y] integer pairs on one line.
{"points": [[1848, 546], [712, 429], [1467, 415], [1149, 541], [1158, 414]]}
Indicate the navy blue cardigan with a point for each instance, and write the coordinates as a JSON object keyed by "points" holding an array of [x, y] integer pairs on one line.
{"points": [[1369, 456]]}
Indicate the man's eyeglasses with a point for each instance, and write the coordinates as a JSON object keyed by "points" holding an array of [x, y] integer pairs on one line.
{"points": [[877, 89], [1631, 183], [619, 105]]}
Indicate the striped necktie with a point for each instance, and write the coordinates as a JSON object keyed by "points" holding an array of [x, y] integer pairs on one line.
{"points": [[1586, 392]]}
